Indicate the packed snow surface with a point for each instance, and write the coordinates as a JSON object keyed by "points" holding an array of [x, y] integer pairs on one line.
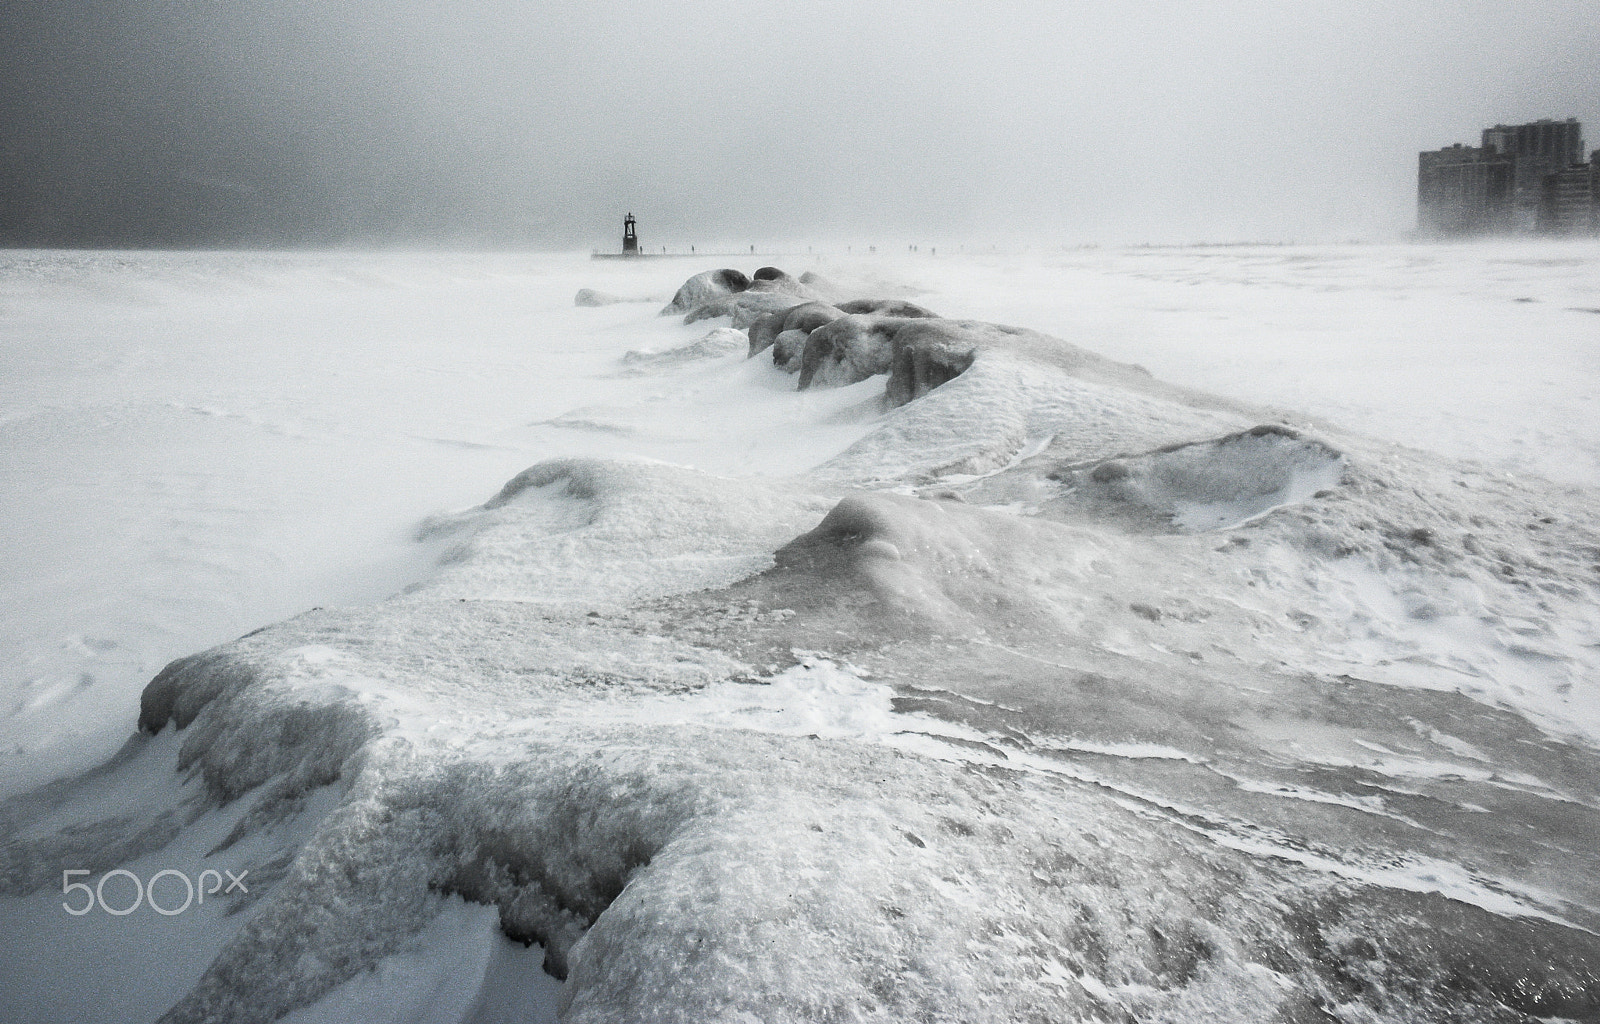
{"points": [[593, 669]]}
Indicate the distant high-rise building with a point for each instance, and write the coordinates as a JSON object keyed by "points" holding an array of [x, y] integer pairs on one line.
{"points": [[1570, 200], [1524, 179], [1464, 191], [1559, 142]]}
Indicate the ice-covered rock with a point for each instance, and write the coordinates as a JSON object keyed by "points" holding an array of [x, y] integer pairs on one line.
{"points": [[920, 353], [743, 309], [771, 279], [744, 300], [848, 349], [770, 290], [788, 347], [809, 316], [704, 287], [926, 355], [764, 332], [885, 307], [590, 297], [824, 287], [806, 317]]}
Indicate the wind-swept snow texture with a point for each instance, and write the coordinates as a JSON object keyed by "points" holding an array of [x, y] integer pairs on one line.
{"points": [[1010, 683]]}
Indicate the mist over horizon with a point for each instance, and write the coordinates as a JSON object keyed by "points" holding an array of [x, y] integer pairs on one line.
{"points": [[494, 124]]}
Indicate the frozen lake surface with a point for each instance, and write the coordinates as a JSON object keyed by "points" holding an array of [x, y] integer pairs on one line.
{"points": [[1066, 689]]}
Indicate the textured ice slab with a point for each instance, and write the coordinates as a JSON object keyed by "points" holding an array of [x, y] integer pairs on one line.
{"points": [[1216, 484]]}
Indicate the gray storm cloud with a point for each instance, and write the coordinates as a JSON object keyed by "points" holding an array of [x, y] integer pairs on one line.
{"points": [[489, 122]]}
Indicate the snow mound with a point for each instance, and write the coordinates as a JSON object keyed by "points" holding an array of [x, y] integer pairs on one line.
{"points": [[714, 345], [937, 563], [598, 534]]}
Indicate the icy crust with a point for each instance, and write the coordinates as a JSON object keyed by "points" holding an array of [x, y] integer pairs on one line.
{"points": [[1388, 564], [676, 872], [1065, 649], [595, 780], [1125, 704], [1255, 642]]}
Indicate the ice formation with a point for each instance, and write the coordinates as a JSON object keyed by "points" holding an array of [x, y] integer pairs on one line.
{"points": [[1052, 697], [805, 317], [706, 286]]}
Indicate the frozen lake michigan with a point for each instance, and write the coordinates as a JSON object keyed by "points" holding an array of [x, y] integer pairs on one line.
{"points": [[1230, 650]]}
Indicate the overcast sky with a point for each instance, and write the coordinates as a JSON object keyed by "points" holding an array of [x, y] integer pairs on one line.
{"points": [[528, 123]]}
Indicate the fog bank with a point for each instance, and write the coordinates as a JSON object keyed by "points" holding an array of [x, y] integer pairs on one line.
{"points": [[491, 123]]}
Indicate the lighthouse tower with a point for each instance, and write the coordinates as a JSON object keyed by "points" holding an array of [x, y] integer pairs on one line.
{"points": [[630, 240]]}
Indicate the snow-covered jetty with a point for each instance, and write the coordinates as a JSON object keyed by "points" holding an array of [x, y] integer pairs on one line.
{"points": [[1060, 693]]}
